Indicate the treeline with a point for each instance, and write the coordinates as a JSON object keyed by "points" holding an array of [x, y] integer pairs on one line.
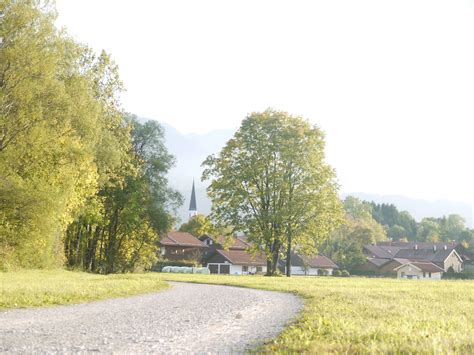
{"points": [[81, 182], [402, 226], [368, 223]]}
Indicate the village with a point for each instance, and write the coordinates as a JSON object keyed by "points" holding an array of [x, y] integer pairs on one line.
{"points": [[235, 255]]}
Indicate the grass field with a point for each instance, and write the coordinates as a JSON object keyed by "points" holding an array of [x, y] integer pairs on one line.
{"points": [[341, 315], [31, 288], [362, 315]]}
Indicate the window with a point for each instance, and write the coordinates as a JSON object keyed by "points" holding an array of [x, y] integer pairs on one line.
{"points": [[245, 268], [430, 275], [259, 269], [424, 274], [403, 274]]}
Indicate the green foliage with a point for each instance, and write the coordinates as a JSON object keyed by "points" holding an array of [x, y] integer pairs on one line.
{"points": [[323, 272], [345, 245], [52, 120], [336, 272], [122, 232], [68, 163], [271, 182], [199, 225], [345, 273], [401, 225]]}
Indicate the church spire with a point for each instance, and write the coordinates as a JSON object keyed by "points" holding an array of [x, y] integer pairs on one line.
{"points": [[192, 203]]}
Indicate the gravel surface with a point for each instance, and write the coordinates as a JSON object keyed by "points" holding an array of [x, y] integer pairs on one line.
{"points": [[188, 318]]}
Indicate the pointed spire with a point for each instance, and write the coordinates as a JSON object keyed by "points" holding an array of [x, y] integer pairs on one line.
{"points": [[192, 203]]}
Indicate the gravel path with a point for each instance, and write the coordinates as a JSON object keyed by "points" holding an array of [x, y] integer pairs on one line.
{"points": [[188, 318]]}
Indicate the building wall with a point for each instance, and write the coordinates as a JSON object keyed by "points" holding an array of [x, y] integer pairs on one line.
{"points": [[409, 272], [453, 261], [239, 269], [181, 253]]}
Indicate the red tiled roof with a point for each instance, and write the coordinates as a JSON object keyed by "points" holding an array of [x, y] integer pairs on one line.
{"points": [[241, 257], [317, 261], [231, 243], [181, 239]]}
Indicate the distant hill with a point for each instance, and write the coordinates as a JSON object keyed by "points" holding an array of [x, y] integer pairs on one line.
{"points": [[190, 151]]}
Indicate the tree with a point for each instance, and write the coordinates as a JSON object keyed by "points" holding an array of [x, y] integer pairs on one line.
{"points": [[271, 181], [120, 233], [60, 132], [428, 231], [345, 245], [198, 225], [396, 232]]}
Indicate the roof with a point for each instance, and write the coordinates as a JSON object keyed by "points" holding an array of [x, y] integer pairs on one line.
{"points": [[181, 239], [231, 243], [316, 261], [379, 252], [425, 267], [192, 203], [425, 254], [378, 262], [421, 245], [227, 242], [241, 257]]}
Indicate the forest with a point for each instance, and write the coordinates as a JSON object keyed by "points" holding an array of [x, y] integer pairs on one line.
{"points": [[82, 183]]}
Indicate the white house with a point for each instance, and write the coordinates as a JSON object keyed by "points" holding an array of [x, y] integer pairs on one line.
{"points": [[236, 262], [310, 265], [419, 271]]}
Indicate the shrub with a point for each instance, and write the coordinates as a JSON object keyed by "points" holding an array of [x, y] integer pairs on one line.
{"points": [[323, 272], [345, 273], [337, 272]]}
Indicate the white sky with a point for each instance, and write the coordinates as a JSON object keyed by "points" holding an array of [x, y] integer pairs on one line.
{"points": [[390, 82]]}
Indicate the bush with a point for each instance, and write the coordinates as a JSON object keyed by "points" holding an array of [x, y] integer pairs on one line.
{"points": [[323, 272], [337, 272], [345, 273]]}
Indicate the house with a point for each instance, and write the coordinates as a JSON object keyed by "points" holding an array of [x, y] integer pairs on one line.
{"points": [[465, 255], [385, 257], [419, 270], [309, 265], [236, 262], [181, 246], [222, 242], [444, 258]]}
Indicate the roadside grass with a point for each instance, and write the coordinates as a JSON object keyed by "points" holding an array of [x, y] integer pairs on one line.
{"points": [[32, 288], [363, 315]]}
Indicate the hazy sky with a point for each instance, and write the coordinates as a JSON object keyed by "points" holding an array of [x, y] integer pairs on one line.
{"points": [[390, 82]]}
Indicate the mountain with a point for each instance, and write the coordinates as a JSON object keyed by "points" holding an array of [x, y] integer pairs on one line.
{"points": [[191, 150]]}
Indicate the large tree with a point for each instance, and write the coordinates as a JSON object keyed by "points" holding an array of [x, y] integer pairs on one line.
{"points": [[271, 182], [61, 132]]}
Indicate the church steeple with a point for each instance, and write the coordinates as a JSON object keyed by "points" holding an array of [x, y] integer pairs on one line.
{"points": [[192, 203]]}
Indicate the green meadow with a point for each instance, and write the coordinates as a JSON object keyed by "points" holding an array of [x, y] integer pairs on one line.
{"points": [[340, 315], [364, 315], [33, 288]]}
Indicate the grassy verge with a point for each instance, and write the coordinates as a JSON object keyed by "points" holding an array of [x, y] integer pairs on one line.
{"points": [[31, 288], [360, 315]]}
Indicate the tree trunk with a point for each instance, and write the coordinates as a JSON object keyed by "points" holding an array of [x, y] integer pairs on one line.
{"points": [[288, 256], [269, 268]]}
